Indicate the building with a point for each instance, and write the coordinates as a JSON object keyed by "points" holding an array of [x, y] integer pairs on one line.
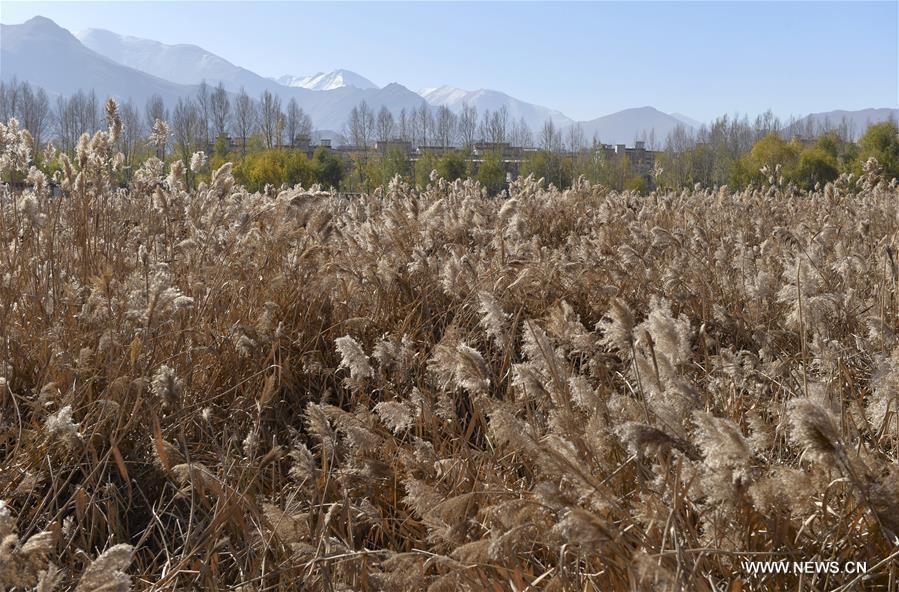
{"points": [[640, 160]]}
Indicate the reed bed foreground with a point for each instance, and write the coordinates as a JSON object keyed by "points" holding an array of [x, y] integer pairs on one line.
{"points": [[441, 390]]}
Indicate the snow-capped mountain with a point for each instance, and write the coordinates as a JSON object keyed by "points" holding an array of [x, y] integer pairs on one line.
{"points": [[484, 99], [329, 81], [181, 63]]}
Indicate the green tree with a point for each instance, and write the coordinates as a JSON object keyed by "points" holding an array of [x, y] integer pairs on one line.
{"points": [[259, 169], [423, 167], [552, 167], [700, 165], [635, 183], [882, 142], [221, 146], [329, 168], [816, 165], [453, 165], [274, 167], [394, 163], [491, 174], [769, 152], [298, 170], [831, 143]]}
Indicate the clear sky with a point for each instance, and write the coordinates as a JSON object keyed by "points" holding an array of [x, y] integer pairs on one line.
{"points": [[701, 59]]}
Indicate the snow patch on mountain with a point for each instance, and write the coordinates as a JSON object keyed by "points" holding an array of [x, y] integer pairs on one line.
{"points": [[328, 81], [493, 100]]}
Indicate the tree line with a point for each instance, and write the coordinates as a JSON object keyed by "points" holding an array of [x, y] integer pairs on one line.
{"points": [[195, 122], [429, 126], [254, 132]]}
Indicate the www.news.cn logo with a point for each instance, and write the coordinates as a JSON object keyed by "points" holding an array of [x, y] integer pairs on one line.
{"points": [[804, 567]]}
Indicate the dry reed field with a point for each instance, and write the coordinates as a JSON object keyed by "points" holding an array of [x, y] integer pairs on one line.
{"points": [[208, 389]]}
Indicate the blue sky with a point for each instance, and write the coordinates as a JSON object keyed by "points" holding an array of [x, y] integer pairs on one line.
{"points": [[701, 59]]}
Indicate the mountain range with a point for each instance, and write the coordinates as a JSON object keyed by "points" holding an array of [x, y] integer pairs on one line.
{"points": [[857, 121], [45, 54]]}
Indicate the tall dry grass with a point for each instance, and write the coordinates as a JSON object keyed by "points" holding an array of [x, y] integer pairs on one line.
{"points": [[439, 390]]}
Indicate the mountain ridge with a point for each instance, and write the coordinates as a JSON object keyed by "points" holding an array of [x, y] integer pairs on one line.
{"points": [[43, 53]]}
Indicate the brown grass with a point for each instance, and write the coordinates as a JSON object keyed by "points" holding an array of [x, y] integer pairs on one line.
{"points": [[439, 390]]}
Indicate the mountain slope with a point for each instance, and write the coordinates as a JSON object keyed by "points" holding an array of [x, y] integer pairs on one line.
{"points": [[484, 99], [857, 121], [181, 63], [329, 81], [626, 126], [43, 53], [329, 109]]}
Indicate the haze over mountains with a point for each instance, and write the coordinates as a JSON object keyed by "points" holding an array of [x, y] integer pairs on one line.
{"points": [[44, 54]]}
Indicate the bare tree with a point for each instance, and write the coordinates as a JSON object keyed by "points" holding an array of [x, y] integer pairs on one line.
{"points": [[132, 132], [89, 117], [575, 137], [220, 108], [292, 120], [299, 125], [270, 117], [403, 124], [384, 127], [64, 118], [550, 137], [360, 125], [414, 128], [521, 134], [244, 118], [765, 124], [501, 123], [425, 120], [494, 125], [483, 132], [187, 128], [155, 109], [34, 111], [468, 124], [677, 169], [446, 126], [204, 107], [73, 116], [9, 99]]}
